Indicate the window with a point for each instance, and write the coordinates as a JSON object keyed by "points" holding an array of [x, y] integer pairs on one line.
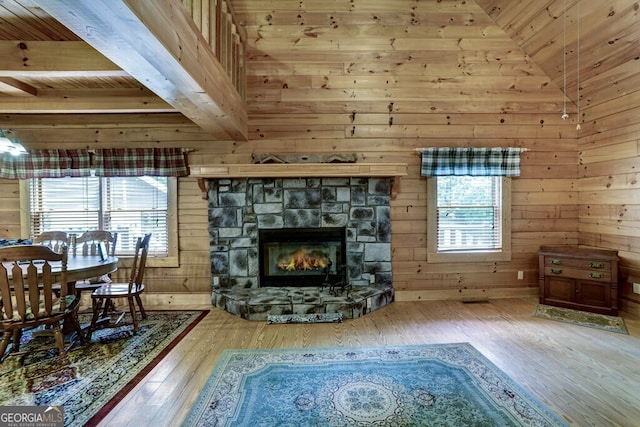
{"points": [[130, 206], [469, 218]]}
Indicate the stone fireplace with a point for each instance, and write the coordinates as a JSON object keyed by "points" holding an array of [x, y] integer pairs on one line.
{"points": [[339, 227]]}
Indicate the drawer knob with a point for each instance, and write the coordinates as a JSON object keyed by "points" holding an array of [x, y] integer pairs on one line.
{"points": [[556, 270], [596, 265], [556, 261], [596, 275]]}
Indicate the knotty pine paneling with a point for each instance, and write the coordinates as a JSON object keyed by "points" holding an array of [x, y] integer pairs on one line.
{"points": [[608, 188], [381, 79], [611, 151], [9, 222], [610, 212], [9, 209], [377, 31], [332, 8], [479, 106], [556, 211], [627, 247], [601, 44], [505, 121]]}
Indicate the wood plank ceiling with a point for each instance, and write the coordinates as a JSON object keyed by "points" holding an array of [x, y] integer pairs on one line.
{"points": [[45, 68], [157, 71]]}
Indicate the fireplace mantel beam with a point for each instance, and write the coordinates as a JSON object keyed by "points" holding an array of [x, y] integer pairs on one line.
{"points": [[299, 170], [291, 170]]}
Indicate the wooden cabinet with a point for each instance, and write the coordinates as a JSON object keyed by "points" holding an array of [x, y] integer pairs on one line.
{"points": [[579, 278]]}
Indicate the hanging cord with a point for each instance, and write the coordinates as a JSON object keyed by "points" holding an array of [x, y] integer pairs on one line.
{"points": [[578, 119], [565, 116]]}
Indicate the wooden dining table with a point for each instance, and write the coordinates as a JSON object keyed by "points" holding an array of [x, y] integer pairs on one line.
{"points": [[81, 267]]}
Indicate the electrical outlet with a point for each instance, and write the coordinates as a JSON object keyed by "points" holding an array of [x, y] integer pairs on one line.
{"points": [[520, 275], [216, 280], [372, 279], [636, 288]]}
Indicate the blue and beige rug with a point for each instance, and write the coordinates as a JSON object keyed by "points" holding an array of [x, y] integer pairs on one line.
{"points": [[99, 374], [418, 385]]}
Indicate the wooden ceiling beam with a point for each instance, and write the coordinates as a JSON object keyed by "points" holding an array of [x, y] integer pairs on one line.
{"points": [[98, 121], [63, 74], [14, 87], [159, 44], [83, 101], [20, 57]]}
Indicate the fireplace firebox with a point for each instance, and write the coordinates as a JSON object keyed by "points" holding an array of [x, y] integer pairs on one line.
{"points": [[301, 256]]}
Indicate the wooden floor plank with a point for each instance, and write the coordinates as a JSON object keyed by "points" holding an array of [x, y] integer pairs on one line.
{"points": [[586, 376]]}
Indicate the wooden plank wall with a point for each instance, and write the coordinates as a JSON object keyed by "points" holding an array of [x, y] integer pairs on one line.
{"points": [[381, 79], [609, 187]]}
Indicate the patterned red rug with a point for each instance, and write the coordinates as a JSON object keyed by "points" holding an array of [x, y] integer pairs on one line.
{"points": [[99, 374]]}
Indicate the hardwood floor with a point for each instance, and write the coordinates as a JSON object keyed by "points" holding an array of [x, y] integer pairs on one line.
{"points": [[586, 376]]}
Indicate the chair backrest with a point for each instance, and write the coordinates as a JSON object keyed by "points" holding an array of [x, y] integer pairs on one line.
{"points": [[89, 241], [139, 261], [52, 239], [29, 295]]}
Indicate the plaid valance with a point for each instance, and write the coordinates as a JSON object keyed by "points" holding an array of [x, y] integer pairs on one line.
{"points": [[470, 161], [141, 162], [46, 164]]}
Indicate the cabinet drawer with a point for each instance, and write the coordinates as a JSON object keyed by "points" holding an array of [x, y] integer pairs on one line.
{"points": [[577, 273], [583, 264]]}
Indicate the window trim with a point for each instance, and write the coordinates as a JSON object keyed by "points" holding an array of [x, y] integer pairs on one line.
{"points": [[434, 256], [173, 257]]}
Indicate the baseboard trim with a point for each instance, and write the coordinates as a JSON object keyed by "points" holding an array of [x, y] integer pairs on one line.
{"points": [[178, 301], [465, 294]]}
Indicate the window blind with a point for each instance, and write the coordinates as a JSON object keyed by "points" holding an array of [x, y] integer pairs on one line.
{"points": [[130, 206], [134, 207], [469, 213], [65, 204]]}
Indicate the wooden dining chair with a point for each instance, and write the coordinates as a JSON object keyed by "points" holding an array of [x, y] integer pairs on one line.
{"points": [[52, 239], [28, 299], [103, 296], [88, 244]]}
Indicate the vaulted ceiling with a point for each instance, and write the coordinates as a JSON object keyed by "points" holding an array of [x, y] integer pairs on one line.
{"points": [[48, 69]]}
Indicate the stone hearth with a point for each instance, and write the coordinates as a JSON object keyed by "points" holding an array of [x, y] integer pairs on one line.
{"points": [[240, 207], [257, 304]]}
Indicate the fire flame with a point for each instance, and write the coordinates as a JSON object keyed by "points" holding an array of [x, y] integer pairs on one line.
{"points": [[303, 260]]}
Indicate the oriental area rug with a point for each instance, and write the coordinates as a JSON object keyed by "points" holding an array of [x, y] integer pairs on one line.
{"points": [[582, 318], [395, 386], [99, 374]]}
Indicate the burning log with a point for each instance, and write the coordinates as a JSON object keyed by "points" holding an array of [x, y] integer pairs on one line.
{"points": [[303, 260]]}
